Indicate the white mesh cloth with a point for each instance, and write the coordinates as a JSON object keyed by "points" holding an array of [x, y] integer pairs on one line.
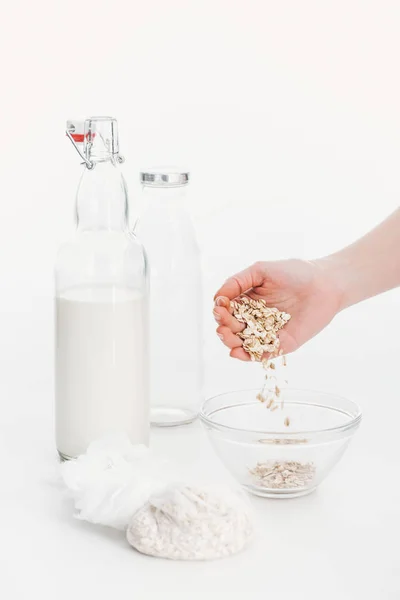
{"points": [[128, 487]]}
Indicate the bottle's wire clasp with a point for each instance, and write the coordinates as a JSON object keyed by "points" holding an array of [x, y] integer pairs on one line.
{"points": [[83, 136], [86, 161]]}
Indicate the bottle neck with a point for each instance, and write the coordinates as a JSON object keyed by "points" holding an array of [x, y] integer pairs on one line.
{"points": [[102, 200], [173, 197]]}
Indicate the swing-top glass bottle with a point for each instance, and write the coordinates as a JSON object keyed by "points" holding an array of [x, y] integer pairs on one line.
{"points": [[101, 305]]}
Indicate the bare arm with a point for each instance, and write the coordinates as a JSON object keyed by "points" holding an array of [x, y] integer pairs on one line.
{"points": [[370, 265], [313, 292]]}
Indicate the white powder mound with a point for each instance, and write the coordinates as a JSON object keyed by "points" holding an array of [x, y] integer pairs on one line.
{"points": [[187, 523]]}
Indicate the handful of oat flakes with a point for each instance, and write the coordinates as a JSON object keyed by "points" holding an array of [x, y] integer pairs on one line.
{"points": [[262, 325], [259, 336]]}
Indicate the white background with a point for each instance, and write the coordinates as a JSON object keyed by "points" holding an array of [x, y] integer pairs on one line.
{"points": [[287, 114]]}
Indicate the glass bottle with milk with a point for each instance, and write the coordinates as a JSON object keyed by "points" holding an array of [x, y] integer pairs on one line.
{"points": [[101, 356]]}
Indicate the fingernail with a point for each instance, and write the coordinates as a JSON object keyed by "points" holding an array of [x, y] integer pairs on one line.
{"points": [[221, 337], [217, 316], [220, 301]]}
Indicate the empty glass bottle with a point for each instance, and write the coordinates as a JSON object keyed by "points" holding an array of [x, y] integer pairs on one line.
{"points": [[168, 236], [101, 305]]}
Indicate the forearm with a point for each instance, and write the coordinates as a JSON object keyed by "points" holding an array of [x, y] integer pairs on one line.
{"points": [[370, 266]]}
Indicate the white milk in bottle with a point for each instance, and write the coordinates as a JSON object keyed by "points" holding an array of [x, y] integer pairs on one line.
{"points": [[101, 354]]}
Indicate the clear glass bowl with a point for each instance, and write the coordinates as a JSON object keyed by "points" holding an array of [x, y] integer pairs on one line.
{"points": [[273, 460]]}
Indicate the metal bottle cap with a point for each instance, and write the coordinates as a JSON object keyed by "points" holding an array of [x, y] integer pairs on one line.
{"points": [[164, 177]]}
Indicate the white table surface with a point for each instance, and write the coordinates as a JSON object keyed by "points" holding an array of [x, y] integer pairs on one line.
{"points": [[342, 542]]}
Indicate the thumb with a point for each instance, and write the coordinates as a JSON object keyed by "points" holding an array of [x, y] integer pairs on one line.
{"points": [[242, 282]]}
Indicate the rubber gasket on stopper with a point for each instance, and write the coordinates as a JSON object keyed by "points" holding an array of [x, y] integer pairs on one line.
{"points": [[79, 138]]}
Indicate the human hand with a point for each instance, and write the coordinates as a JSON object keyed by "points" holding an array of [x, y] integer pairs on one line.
{"points": [[304, 289]]}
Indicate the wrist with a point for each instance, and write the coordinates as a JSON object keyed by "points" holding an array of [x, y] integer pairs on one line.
{"points": [[337, 272]]}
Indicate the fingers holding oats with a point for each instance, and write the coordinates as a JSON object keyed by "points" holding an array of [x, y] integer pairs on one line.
{"points": [[224, 302], [262, 325], [240, 354], [223, 317], [228, 338], [252, 330]]}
